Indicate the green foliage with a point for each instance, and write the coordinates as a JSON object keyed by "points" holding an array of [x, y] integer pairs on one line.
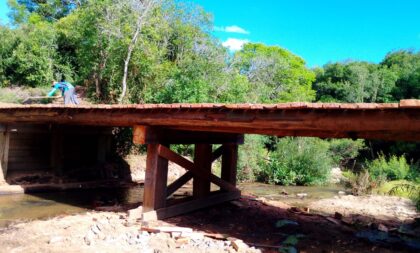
{"points": [[298, 161], [344, 150], [355, 82], [252, 155], [406, 64], [394, 168], [275, 74]]}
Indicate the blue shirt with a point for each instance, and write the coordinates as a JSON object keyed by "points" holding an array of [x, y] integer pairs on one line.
{"points": [[63, 86]]}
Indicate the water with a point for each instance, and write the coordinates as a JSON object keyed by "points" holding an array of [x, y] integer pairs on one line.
{"points": [[277, 192], [20, 207]]}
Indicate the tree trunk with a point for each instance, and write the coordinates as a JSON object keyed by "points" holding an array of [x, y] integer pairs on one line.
{"points": [[148, 5]]}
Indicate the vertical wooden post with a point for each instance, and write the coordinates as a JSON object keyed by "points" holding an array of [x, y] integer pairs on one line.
{"points": [[4, 146], [155, 183], [202, 159], [229, 162]]}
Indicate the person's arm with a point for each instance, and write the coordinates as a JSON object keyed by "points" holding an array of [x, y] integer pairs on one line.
{"points": [[54, 89]]}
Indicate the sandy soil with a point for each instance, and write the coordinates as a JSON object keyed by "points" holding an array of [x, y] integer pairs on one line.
{"points": [[253, 220], [375, 206]]}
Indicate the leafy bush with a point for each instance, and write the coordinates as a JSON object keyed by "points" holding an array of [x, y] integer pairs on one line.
{"points": [[396, 168], [298, 161], [251, 157], [344, 150]]}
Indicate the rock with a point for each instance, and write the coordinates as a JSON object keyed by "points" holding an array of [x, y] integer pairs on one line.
{"points": [[341, 193], [239, 245], [55, 239], [237, 203], [135, 214], [89, 238], [338, 215], [302, 195], [383, 228], [336, 175]]}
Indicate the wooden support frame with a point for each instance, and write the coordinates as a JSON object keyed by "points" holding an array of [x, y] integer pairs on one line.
{"points": [[157, 192], [4, 152]]}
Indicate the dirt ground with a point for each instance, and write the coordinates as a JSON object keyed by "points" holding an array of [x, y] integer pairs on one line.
{"points": [[267, 225]]}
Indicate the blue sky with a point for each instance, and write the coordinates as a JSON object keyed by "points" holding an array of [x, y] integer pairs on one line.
{"points": [[320, 31]]}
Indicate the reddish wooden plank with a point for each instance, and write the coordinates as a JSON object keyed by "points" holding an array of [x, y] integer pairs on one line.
{"points": [[410, 103], [229, 163], [183, 162], [174, 186], [191, 205], [202, 160], [155, 184]]}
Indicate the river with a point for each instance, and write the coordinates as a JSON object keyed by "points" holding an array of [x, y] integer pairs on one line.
{"points": [[20, 207]]}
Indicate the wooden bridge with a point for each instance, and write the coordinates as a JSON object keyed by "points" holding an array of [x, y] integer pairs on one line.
{"points": [[160, 125]]}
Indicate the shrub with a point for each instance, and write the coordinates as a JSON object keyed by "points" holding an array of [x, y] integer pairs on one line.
{"points": [[344, 150], [298, 161], [251, 157], [396, 168]]}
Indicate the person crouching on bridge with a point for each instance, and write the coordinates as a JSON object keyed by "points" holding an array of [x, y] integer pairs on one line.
{"points": [[67, 91]]}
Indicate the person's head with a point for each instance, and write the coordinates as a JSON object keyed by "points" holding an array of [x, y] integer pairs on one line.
{"points": [[53, 83]]}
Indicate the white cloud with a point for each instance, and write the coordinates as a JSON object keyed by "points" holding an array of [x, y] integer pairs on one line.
{"points": [[234, 44], [231, 29]]}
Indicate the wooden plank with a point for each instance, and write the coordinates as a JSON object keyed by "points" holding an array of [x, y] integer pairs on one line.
{"points": [[2, 145], [202, 160], [191, 205], [156, 135], [174, 186], [229, 163], [181, 161], [155, 184], [410, 103], [6, 153], [217, 153]]}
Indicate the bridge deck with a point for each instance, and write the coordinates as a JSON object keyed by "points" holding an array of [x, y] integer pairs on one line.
{"points": [[393, 121]]}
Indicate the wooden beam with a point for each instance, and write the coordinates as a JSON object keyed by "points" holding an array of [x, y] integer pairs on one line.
{"points": [[2, 145], [174, 186], [191, 205], [155, 184], [229, 163], [202, 160], [181, 161], [216, 154], [156, 135], [6, 153]]}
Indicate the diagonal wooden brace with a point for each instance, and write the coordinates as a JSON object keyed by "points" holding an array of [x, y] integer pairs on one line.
{"points": [[181, 161]]}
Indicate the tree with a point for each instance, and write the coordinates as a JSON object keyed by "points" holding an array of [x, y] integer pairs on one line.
{"points": [[141, 10], [276, 75]]}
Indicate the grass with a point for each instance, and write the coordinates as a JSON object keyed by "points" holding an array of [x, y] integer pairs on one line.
{"points": [[388, 186]]}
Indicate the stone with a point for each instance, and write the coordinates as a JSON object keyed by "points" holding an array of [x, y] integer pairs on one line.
{"points": [[55, 239], [239, 245], [383, 228], [135, 214]]}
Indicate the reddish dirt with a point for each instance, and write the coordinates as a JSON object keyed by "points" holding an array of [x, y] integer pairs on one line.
{"points": [[254, 221]]}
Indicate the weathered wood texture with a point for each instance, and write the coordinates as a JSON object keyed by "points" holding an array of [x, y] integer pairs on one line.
{"points": [[375, 121], [202, 160], [191, 205], [156, 179], [229, 163], [156, 135], [4, 147]]}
